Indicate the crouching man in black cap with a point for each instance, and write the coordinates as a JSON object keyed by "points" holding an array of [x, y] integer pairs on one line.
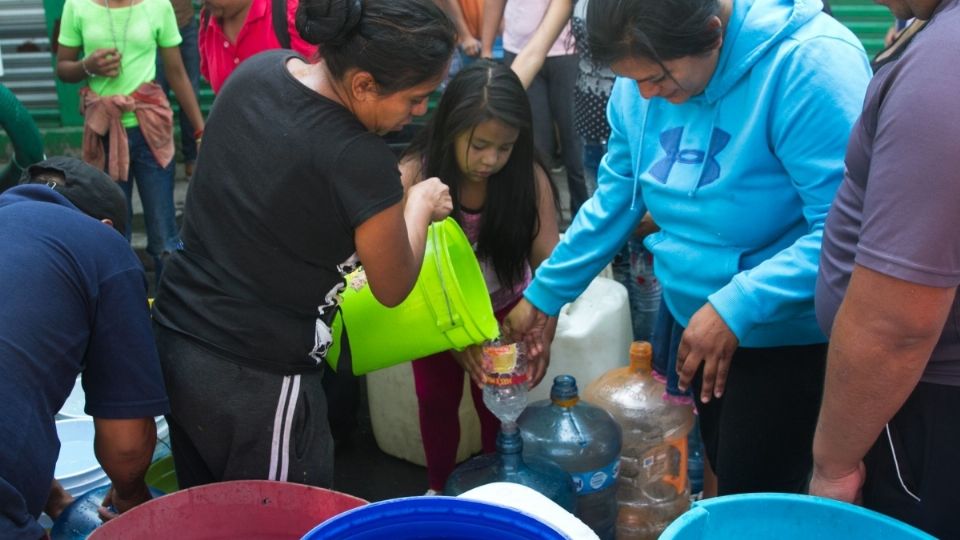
{"points": [[72, 301]]}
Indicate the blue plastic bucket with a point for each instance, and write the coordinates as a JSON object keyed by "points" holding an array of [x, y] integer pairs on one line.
{"points": [[785, 517], [425, 518]]}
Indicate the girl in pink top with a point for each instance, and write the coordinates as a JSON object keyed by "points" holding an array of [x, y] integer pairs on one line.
{"points": [[480, 143]]}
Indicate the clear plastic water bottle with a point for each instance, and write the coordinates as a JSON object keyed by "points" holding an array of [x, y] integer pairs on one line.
{"points": [[505, 382], [509, 465], [645, 296], [585, 441], [653, 487], [633, 268]]}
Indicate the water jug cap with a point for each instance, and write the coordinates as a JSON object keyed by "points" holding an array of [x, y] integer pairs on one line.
{"points": [[564, 391], [641, 356]]}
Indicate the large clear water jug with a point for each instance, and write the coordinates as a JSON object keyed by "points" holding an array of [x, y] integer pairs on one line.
{"points": [[653, 487], [585, 441], [509, 465]]}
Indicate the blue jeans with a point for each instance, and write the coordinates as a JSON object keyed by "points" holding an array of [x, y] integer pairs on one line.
{"points": [[666, 341], [155, 186], [190, 52]]}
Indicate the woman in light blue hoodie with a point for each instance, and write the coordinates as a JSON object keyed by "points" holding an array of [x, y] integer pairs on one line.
{"points": [[729, 123]]}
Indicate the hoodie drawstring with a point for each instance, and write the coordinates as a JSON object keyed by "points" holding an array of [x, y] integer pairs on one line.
{"points": [[636, 170]]}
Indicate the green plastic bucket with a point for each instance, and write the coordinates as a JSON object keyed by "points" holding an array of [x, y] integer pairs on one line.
{"points": [[448, 308]]}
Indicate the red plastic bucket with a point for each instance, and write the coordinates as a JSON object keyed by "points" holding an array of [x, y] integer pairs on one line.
{"points": [[261, 509]]}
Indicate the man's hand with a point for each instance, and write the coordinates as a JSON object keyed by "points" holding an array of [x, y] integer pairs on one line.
{"points": [[115, 504], [706, 340], [845, 487], [470, 46], [58, 500], [471, 360]]}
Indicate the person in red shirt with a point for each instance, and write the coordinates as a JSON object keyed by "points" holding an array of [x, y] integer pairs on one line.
{"points": [[233, 30]]}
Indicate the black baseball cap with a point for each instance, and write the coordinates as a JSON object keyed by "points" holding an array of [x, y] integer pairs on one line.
{"points": [[91, 190]]}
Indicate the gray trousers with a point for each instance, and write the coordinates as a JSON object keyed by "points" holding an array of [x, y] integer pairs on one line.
{"points": [[233, 422], [551, 101]]}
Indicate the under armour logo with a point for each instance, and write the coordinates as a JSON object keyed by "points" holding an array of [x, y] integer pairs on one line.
{"points": [[670, 141]]}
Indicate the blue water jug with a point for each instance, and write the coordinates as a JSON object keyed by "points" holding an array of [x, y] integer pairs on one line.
{"points": [[585, 441], [80, 518], [509, 465]]}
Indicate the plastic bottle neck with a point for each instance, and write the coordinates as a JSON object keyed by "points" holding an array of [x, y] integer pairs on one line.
{"points": [[567, 402], [509, 442], [641, 357], [564, 392], [510, 448]]}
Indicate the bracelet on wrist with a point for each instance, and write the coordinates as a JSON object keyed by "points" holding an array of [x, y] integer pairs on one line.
{"points": [[83, 64], [198, 134]]}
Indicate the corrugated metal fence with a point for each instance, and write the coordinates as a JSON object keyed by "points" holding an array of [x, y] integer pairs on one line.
{"points": [[27, 63]]}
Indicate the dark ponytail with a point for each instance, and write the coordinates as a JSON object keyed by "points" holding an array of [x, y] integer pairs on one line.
{"points": [[401, 43], [656, 30]]}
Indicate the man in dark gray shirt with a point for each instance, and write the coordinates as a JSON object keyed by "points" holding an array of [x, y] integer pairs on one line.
{"points": [[886, 292]]}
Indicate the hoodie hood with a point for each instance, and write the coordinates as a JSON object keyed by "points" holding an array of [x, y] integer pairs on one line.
{"points": [[739, 178], [754, 28]]}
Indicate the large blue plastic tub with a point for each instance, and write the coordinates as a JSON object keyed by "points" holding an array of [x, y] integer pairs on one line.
{"points": [[425, 518], [785, 517]]}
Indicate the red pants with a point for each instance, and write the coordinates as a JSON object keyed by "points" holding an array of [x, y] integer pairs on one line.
{"points": [[439, 383]]}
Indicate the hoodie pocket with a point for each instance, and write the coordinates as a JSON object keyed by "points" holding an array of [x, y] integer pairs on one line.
{"points": [[690, 271]]}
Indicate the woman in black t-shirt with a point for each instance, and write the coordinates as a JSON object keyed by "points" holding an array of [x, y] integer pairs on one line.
{"points": [[293, 190]]}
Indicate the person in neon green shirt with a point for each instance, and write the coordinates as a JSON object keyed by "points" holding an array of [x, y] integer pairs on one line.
{"points": [[119, 41]]}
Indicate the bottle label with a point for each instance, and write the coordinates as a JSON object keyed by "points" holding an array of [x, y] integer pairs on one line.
{"points": [[505, 379], [668, 462], [500, 358], [592, 481], [500, 366]]}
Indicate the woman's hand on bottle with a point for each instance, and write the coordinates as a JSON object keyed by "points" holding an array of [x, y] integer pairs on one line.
{"points": [[432, 195], [525, 323], [707, 340], [471, 360], [103, 62], [537, 364]]}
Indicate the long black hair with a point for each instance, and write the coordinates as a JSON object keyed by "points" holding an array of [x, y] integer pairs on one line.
{"points": [[401, 43], [486, 90], [656, 30]]}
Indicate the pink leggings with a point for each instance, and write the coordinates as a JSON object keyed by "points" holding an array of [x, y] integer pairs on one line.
{"points": [[439, 383]]}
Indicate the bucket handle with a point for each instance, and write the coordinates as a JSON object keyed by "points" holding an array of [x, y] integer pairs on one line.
{"points": [[452, 320]]}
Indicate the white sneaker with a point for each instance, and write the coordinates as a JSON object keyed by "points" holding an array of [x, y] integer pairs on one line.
{"points": [[431, 493]]}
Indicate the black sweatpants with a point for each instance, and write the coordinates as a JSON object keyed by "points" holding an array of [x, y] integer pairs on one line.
{"points": [[233, 422], [759, 435], [913, 470]]}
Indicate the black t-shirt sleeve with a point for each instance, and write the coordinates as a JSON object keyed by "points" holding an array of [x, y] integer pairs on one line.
{"points": [[122, 377], [366, 178]]}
